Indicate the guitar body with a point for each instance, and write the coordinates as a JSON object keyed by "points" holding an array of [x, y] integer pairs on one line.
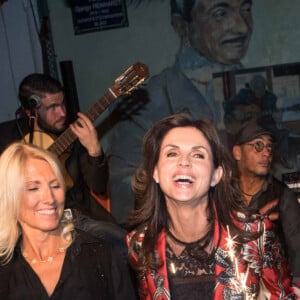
{"points": [[40, 139], [44, 141]]}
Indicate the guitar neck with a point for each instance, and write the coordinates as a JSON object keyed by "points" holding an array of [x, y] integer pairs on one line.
{"points": [[68, 137], [124, 84]]}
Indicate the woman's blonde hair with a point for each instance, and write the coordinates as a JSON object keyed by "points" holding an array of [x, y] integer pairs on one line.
{"points": [[12, 177]]}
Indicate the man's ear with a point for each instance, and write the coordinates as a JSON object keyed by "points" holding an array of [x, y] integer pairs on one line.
{"points": [[30, 113], [236, 152], [180, 26]]}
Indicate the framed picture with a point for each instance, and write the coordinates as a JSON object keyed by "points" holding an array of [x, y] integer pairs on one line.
{"points": [[95, 15], [269, 95]]}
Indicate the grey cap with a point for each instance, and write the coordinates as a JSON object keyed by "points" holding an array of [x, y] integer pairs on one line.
{"points": [[250, 132]]}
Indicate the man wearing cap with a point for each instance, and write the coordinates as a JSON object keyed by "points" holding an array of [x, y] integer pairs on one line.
{"points": [[256, 102], [253, 152]]}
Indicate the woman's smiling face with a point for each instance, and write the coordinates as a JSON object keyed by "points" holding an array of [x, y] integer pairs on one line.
{"points": [[185, 169], [42, 202]]}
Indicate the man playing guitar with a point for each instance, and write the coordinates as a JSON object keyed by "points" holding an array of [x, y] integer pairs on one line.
{"points": [[42, 118]]}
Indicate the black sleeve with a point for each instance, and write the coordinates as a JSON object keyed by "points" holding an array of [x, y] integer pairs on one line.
{"points": [[95, 172], [290, 219]]}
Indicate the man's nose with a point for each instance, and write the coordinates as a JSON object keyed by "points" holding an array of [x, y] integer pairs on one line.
{"points": [[267, 151], [240, 23], [61, 110]]}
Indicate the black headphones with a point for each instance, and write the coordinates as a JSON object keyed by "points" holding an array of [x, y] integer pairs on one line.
{"points": [[33, 101]]}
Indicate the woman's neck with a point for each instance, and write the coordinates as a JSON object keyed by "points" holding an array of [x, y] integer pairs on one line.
{"points": [[189, 224], [40, 244]]}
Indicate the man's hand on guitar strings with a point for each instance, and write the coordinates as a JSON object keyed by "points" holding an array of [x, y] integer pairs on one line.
{"points": [[86, 132]]}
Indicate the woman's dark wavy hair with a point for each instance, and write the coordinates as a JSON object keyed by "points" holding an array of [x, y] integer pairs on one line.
{"points": [[152, 212]]}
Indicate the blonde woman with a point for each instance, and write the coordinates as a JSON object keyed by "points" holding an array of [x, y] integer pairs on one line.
{"points": [[42, 255]]}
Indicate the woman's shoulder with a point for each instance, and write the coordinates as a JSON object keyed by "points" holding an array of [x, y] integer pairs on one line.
{"points": [[135, 239], [137, 235], [89, 251], [255, 222], [84, 239]]}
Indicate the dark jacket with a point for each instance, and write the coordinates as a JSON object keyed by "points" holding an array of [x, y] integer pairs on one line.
{"points": [[88, 173], [91, 270], [288, 224]]}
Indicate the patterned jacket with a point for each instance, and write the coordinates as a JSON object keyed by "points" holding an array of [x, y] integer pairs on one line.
{"points": [[260, 261]]}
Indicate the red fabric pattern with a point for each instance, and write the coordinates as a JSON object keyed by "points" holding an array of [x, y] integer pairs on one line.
{"points": [[267, 273]]}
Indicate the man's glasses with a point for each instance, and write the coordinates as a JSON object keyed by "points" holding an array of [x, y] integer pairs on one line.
{"points": [[260, 146]]}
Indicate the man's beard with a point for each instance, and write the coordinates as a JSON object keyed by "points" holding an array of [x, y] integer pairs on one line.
{"points": [[45, 127]]}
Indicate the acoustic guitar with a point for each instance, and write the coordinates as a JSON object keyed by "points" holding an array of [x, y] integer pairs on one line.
{"points": [[128, 81]]}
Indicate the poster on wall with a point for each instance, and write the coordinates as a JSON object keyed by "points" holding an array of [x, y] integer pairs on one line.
{"points": [[97, 15], [269, 95]]}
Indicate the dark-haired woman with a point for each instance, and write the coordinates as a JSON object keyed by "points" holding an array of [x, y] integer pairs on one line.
{"points": [[193, 236]]}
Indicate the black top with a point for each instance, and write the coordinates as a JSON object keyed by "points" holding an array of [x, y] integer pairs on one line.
{"points": [[189, 277], [91, 270]]}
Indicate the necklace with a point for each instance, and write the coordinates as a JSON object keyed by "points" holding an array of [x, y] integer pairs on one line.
{"points": [[187, 244], [249, 195], [49, 259]]}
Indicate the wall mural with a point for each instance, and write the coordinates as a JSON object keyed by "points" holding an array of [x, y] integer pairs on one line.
{"points": [[209, 81], [214, 39]]}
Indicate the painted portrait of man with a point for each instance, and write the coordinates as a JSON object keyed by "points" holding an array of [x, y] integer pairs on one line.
{"points": [[214, 37], [219, 30]]}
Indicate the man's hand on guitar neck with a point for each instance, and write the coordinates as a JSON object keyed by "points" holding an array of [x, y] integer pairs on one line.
{"points": [[86, 132]]}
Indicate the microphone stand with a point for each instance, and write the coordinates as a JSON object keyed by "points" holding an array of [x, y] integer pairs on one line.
{"points": [[31, 125]]}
